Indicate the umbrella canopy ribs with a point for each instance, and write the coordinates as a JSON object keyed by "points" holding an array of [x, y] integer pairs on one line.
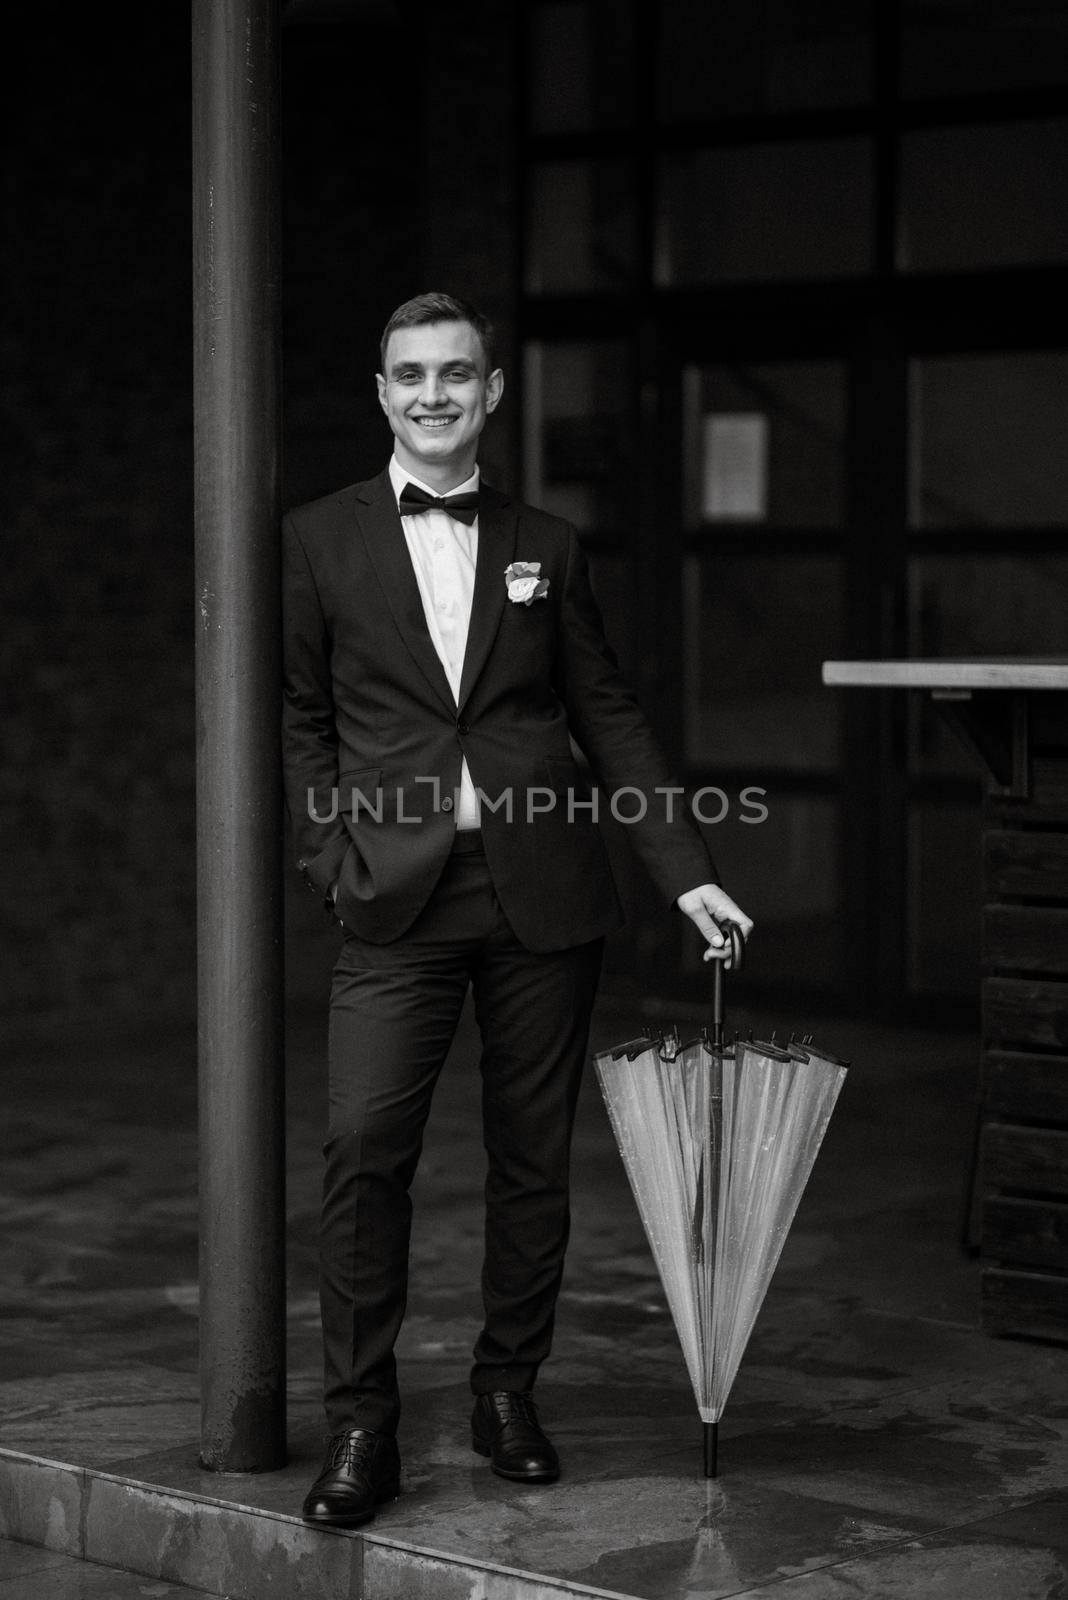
{"points": [[718, 1142]]}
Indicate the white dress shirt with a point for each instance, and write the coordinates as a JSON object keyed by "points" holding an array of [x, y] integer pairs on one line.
{"points": [[444, 551]]}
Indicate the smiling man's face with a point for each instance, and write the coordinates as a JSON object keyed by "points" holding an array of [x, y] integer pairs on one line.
{"points": [[437, 395]]}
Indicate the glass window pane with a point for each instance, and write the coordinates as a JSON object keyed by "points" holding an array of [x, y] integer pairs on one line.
{"points": [[988, 437], [764, 444], [965, 47], [580, 226], [579, 433], [984, 196], [976, 605], [786, 872], [756, 631], [767, 211], [945, 896], [742, 56], [579, 72]]}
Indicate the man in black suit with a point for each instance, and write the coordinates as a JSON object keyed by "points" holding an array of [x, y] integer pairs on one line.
{"points": [[443, 649]]}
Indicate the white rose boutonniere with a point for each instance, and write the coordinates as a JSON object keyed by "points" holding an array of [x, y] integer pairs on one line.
{"points": [[525, 582]]}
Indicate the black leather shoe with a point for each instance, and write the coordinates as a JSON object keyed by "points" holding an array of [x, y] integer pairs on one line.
{"points": [[361, 1469], [505, 1427]]}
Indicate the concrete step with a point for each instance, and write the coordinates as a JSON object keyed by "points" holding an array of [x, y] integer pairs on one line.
{"points": [[28, 1572], [222, 1546]]}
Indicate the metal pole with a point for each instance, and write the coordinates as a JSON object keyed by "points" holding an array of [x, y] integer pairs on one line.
{"points": [[237, 428]]}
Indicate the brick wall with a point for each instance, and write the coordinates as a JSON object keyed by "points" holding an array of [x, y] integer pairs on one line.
{"points": [[96, 786], [97, 780]]}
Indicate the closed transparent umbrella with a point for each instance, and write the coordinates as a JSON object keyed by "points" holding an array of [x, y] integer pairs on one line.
{"points": [[718, 1143]]}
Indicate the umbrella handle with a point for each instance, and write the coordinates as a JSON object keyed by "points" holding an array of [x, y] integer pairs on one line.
{"points": [[720, 960], [737, 944], [731, 954]]}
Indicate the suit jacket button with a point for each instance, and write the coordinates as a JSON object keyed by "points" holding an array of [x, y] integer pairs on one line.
{"points": [[446, 804], [462, 727]]}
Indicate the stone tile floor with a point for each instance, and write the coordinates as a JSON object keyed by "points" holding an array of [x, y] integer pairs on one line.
{"points": [[876, 1443]]}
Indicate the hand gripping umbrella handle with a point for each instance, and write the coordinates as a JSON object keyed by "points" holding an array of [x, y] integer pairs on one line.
{"points": [[736, 957]]}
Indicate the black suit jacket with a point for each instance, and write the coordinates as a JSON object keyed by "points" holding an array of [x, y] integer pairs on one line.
{"points": [[373, 738]]}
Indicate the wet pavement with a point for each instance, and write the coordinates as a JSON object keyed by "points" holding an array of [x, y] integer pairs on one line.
{"points": [[876, 1442]]}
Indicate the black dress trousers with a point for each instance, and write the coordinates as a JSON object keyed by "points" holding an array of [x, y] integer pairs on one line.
{"points": [[393, 1014]]}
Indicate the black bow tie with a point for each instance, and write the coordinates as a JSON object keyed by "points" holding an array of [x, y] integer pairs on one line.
{"points": [[414, 501]]}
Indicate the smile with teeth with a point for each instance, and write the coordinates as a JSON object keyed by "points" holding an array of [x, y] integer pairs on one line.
{"points": [[435, 422]]}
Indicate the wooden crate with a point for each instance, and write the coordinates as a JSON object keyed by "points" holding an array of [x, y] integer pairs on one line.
{"points": [[1023, 1158], [1033, 1233]]}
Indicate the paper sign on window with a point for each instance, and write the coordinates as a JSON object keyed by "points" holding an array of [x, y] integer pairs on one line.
{"points": [[735, 484]]}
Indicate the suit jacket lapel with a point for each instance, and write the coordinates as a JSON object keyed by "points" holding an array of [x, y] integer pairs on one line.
{"points": [[381, 526], [496, 548]]}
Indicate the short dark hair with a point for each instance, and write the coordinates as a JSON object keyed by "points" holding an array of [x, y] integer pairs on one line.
{"points": [[436, 307]]}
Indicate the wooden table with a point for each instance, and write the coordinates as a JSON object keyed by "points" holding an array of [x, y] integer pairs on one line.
{"points": [[1013, 715]]}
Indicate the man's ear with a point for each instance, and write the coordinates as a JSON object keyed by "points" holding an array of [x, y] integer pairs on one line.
{"points": [[380, 384], [494, 389]]}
